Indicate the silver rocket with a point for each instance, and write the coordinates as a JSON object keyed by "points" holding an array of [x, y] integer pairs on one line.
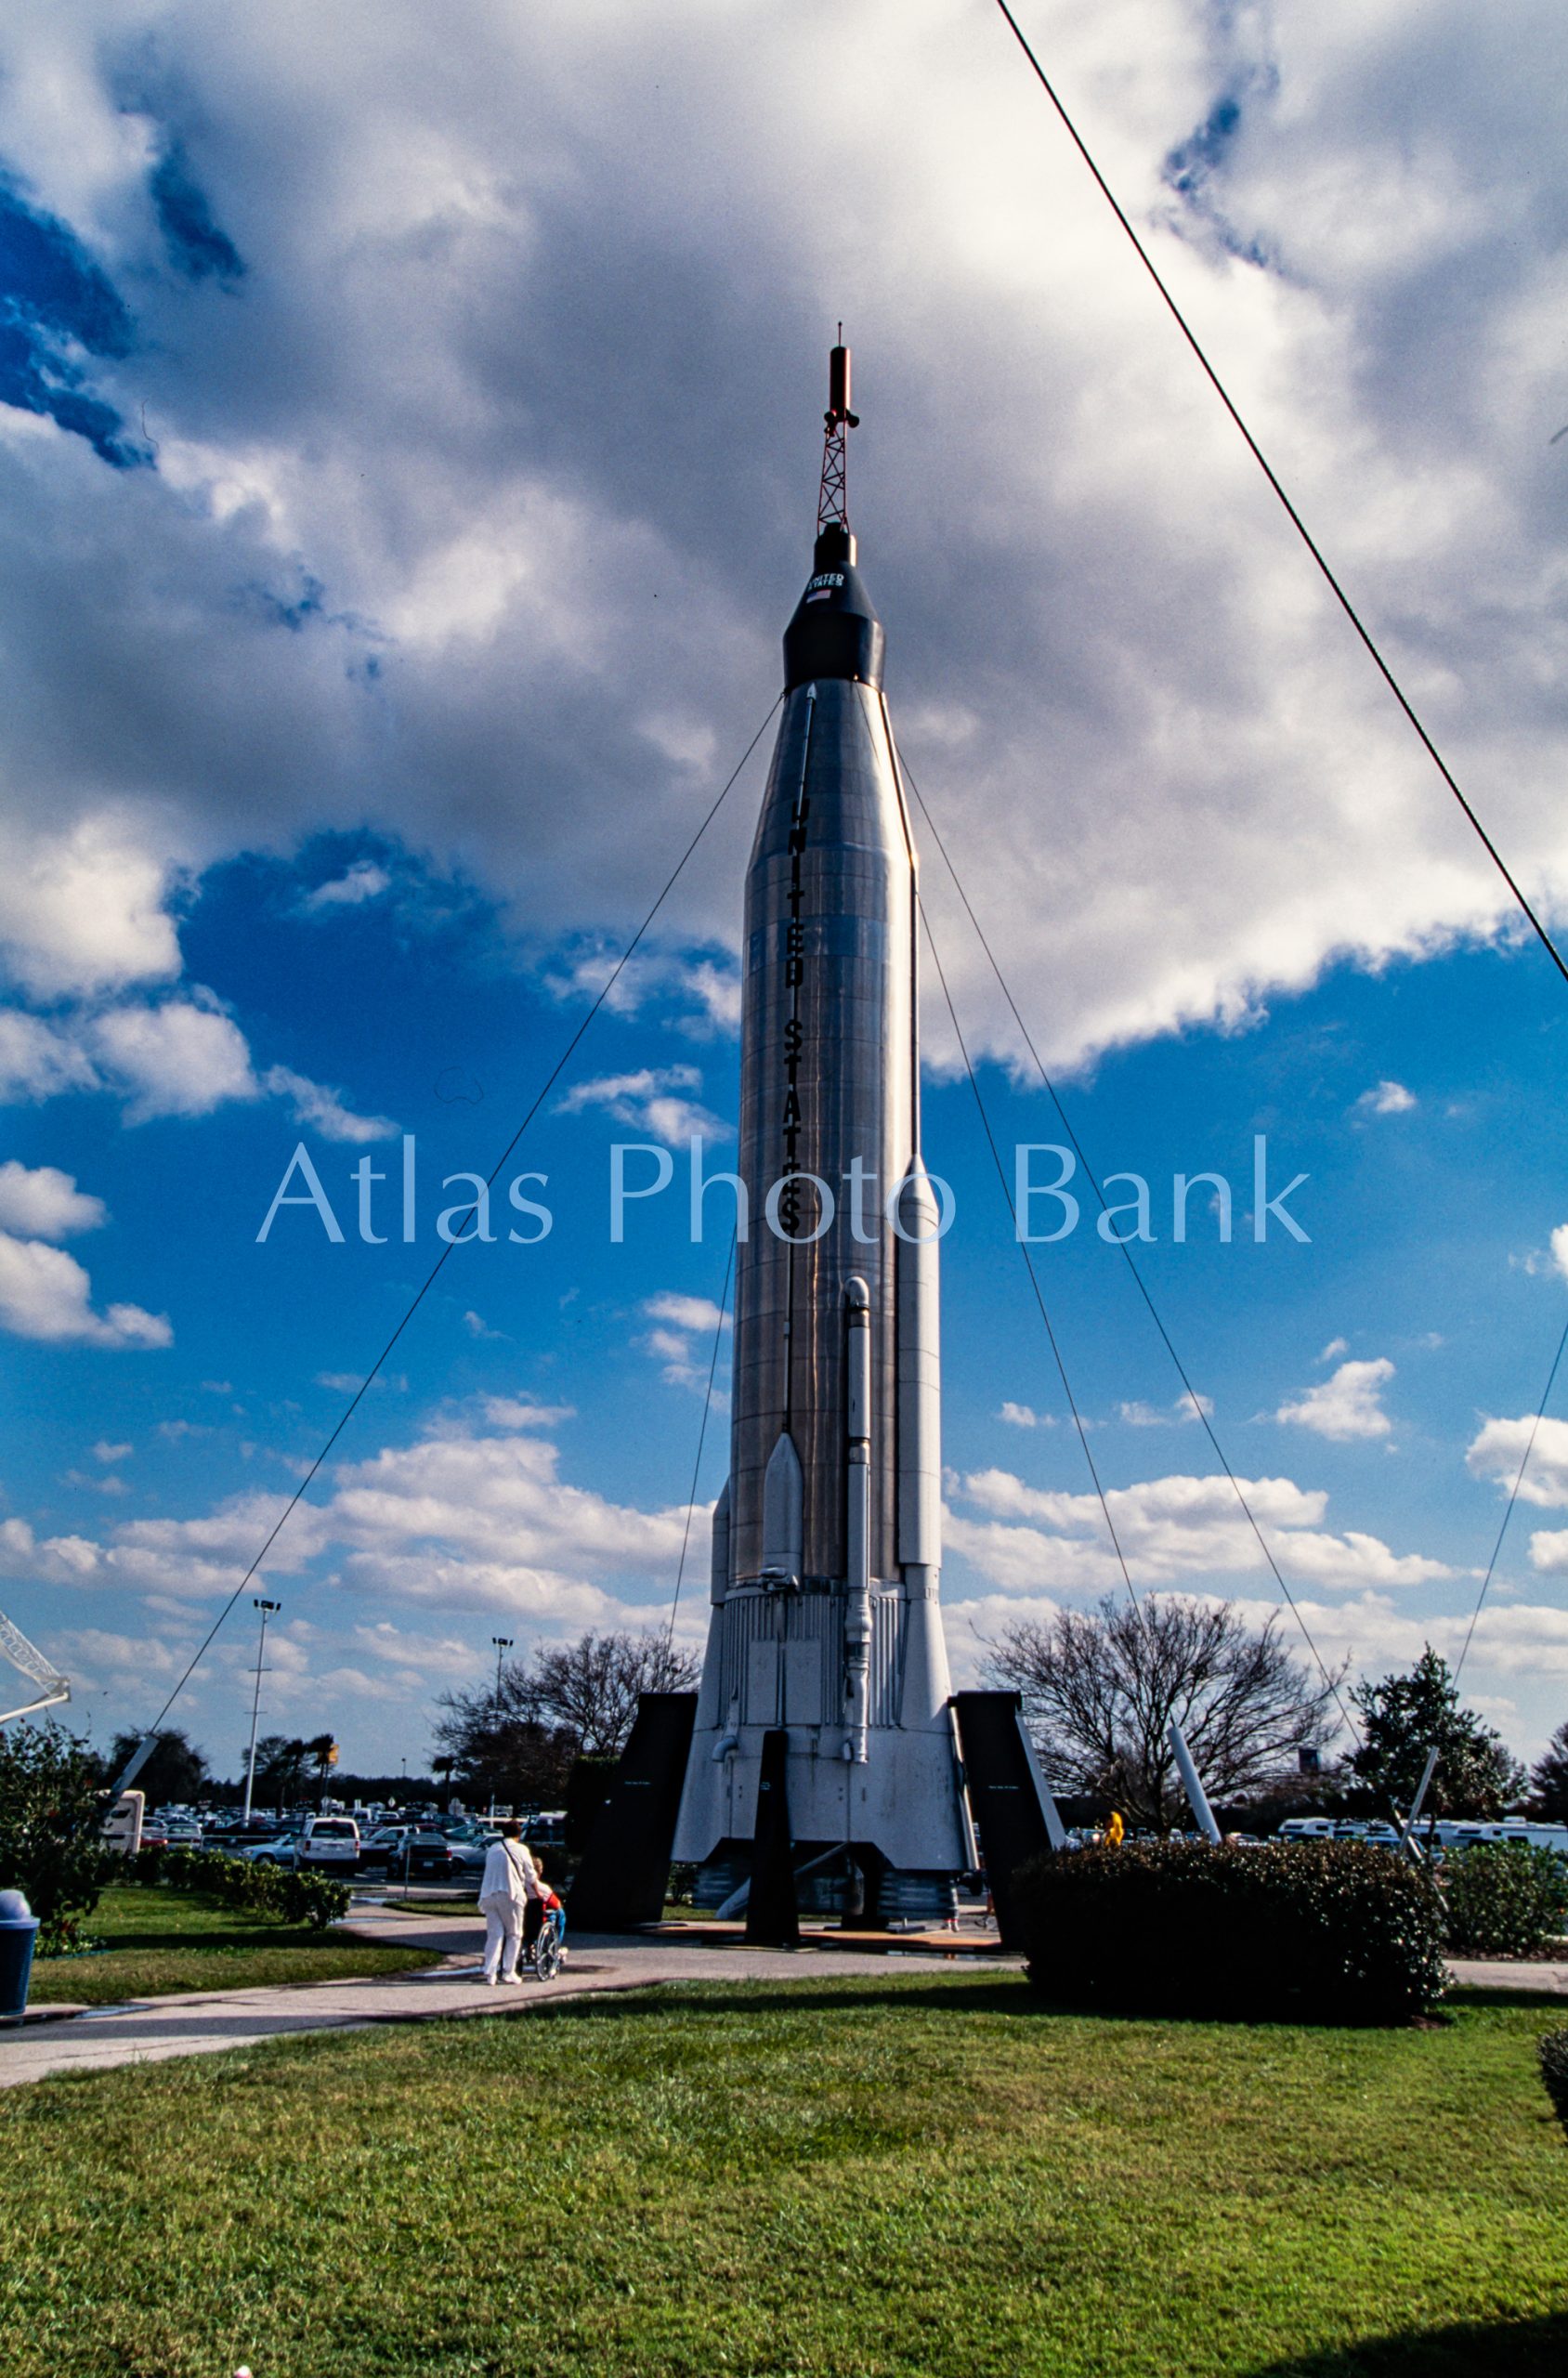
{"points": [[825, 1621]]}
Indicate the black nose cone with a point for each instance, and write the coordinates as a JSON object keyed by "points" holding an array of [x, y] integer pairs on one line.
{"points": [[835, 632]]}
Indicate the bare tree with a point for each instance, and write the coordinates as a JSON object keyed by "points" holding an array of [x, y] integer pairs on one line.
{"points": [[591, 1687], [1100, 1688], [563, 1701]]}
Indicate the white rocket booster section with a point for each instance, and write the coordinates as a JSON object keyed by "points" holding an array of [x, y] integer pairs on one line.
{"points": [[827, 1556]]}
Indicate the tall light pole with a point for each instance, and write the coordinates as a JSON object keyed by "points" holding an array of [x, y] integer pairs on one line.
{"points": [[267, 1609], [503, 1645]]}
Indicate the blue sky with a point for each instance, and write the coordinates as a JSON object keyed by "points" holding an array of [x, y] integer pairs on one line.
{"points": [[408, 474]]}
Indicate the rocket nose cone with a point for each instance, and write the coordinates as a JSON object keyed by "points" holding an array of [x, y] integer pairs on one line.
{"points": [[835, 632]]}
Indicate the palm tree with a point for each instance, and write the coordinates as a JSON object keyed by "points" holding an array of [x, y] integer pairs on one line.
{"points": [[321, 1750]]}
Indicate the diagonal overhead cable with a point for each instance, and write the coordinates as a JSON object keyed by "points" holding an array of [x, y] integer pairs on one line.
{"points": [[1396, 689], [702, 1432], [144, 1748], [1513, 1497], [1199, 1404], [1022, 1246]]}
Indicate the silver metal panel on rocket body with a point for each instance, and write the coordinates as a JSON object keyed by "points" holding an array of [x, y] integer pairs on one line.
{"points": [[831, 1631], [827, 1078]]}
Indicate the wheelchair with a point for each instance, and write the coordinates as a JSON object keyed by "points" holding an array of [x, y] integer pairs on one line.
{"points": [[543, 1958]]}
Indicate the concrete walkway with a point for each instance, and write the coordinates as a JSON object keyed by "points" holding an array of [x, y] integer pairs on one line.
{"points": [[1541, 1979], [147, 2030]]}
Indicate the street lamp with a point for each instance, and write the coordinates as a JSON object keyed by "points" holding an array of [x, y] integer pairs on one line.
{"points": [[267, 1609], [503, 1645]]}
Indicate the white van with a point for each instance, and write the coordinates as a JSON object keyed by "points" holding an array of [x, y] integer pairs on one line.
{"points": [[331, 1842]]}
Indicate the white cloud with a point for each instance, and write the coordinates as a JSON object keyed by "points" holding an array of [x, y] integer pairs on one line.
{"points": [[83, 911], [364, 880], [472, 1516], [1498, 1448], [1345, 1407], [1182, 1409], [38, 1060], [649, 1100], [682, 1342], [683, 1312], [323, 1111], [184, 1057], [46, 1203], [45, 1295], [104, 1451], [181, 636], [1336, 1347], [1023, 1416], [1047, 1541], [1387, 1098], [1559, 1248]]}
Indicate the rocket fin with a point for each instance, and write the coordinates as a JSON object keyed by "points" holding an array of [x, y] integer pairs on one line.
{"points": [[783, 1508]]}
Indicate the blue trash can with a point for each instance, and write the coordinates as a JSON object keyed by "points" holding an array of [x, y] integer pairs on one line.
{"points": [[18, 1931]]}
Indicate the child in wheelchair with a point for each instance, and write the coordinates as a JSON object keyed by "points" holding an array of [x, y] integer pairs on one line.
{"points": [[545, 1926]]}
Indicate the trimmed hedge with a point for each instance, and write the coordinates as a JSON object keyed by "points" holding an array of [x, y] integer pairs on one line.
{"points": [[304, 1898], [1319, 1931], [1552, 2049], [1505, 1898]]}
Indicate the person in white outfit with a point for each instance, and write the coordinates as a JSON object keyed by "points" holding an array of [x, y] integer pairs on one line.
{"points": [[508, 1883]]}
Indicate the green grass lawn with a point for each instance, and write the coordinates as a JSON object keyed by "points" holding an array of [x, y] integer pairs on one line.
{"points": [[159, 1940], [934, 2178]]}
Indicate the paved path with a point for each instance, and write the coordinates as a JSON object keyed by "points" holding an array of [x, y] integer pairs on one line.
{"points": [[1547, 1981], [149, 2029]]}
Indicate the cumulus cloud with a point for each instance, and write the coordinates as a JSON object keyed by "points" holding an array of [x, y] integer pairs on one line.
{"points": [[683, 1312], [364, 880], [363, 559], [46, 1203], [1346, 1406], [1175, 1414], [1043, 1540], [184, 1057], [83, 911], [682, 1342], [39, 1061], [1386, 1098], [323, 1111], [650, 1100], [1499, 1448], [45, 1295], [474, 1515], [179, 1056]]}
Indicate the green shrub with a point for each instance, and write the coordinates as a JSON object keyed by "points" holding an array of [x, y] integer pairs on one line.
{"points": [[1505, 1898], [1552, 2049], [1323, 1931], [304, 1898], [51, 1806]]}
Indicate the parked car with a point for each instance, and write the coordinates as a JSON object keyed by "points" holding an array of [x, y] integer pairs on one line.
{"points": [[332, 1842], [278, 1849]]}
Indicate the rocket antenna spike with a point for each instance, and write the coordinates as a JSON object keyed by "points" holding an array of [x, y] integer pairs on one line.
{"points": [[832, 504]]}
